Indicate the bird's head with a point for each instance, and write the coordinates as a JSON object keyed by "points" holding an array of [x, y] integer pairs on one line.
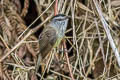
{"points": [[59, 22]]}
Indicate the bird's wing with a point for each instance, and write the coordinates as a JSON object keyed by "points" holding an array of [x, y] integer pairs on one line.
{"points": [[47, 40]]}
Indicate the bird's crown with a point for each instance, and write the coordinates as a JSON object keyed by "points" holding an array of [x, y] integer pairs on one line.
{"points": [[60, 17]]}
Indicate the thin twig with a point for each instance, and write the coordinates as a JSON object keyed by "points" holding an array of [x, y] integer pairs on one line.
{"points": [[56, 7], [105, 25], [17, 45], [35, 21], [32, 31], [68, 62]]}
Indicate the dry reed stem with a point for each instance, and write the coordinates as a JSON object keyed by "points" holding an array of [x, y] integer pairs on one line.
{"points": [[105, 25], [86, 40]]}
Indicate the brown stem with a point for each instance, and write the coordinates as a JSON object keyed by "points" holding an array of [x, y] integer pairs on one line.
{"points": [[68, 62], [56, 7]]}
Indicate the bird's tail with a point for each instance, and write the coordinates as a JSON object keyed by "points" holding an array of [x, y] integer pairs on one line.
{"points": [[38, 63]]}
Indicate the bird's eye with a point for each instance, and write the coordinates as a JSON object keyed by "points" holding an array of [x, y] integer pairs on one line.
{"points": [[59, 19]]}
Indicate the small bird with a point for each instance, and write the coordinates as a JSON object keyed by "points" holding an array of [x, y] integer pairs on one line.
{"points": [[51, 36]]}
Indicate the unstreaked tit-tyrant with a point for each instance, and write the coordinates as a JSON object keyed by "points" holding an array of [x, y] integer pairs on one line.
{"points": [[51, 36]]}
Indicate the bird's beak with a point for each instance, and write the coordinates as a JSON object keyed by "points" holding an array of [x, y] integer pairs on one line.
{"points": [[67, 17]]}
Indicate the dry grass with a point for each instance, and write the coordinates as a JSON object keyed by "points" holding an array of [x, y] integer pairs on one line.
{"points": [[92, 40]]}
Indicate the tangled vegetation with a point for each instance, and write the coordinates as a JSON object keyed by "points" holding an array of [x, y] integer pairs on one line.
{"points": [[92, 40]]}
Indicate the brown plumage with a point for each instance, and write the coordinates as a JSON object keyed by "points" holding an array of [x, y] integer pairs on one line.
{"points": [[51, 36], [47, 40]]}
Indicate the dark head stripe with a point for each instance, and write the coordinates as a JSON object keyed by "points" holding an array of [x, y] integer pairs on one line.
{"points": [[62, 15]]}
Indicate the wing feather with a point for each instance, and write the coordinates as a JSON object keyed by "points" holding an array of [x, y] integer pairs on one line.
{"points": [[47, 40]]}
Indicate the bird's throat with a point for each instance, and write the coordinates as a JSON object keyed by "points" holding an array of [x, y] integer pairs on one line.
{"points": [[59, 39]]}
